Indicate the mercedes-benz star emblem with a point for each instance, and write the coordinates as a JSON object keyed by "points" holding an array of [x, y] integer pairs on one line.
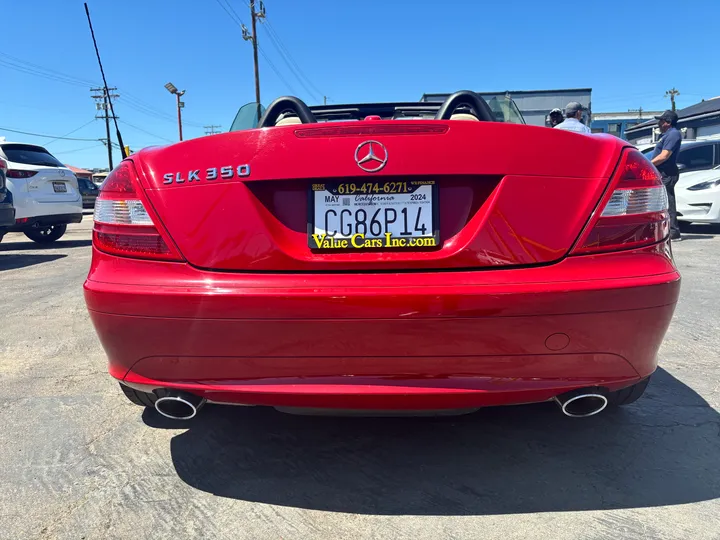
{"points": [[371, 156]]}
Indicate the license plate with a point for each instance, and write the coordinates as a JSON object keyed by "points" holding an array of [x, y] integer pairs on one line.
{"points": [[60, 187], [373, 215]]}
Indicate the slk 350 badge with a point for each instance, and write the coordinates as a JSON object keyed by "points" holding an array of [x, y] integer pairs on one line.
{"points": [[213, 173]]}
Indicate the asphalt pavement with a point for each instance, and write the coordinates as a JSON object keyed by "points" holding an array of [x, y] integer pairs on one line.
{"points": [[79, 461]]}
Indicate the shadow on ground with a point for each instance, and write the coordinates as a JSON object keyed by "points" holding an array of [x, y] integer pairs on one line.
{"points": [[60, 244], [11, 262], [664, 450]]}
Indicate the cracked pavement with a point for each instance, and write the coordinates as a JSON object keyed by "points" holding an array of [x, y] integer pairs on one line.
{"points": [[79, 461]]}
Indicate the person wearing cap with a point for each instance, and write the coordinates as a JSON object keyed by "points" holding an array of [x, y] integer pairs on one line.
{"points": [[664, 157], [556, 117], [573, 115]]}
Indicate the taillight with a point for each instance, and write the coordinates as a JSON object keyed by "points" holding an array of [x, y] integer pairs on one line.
{"points": [[633, 214], [14, 173], [123, 225]]}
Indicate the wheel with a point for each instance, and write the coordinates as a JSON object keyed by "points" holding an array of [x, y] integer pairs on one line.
{"points": [[143, 399], [46, 235], [628, 395]]}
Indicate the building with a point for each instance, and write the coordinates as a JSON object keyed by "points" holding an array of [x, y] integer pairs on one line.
{"points": [[535, 105], [696, 122], [616, 123], [80, 173]]}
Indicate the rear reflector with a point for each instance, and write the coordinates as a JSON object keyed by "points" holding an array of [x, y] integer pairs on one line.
{"points": [[123, 225], [634, 213], [144, 242]]}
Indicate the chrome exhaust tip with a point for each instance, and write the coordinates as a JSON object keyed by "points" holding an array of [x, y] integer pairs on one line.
{"points": [[179, 405], [582, 403]]}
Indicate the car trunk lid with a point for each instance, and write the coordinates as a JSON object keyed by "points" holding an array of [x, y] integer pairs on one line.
{"points": [[502, 195]]}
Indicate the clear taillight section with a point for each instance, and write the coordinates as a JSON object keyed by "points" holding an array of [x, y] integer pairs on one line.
{"points": [[123, 225], [626, 202], [121, 212], [634, 213]]}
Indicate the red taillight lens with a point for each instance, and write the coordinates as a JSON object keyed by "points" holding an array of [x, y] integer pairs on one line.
{"points": [[3, 165], [123, 225], [14, 173], [633, 214]]}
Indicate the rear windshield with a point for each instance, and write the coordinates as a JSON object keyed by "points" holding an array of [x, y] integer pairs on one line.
{"points": [[29, 154]]}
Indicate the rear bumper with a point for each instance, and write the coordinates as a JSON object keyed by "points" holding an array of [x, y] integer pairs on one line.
{"points": [[45, 221], [384, 341], [699, 206], [28, 206], [7, 215]]}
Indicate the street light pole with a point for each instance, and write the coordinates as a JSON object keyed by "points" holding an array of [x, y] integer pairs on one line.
{"points": [[180, 104], [179, 108]]}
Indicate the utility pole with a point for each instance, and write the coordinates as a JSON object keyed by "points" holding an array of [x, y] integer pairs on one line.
{"points": [[639, 111], [253, 37], [324, 100], [102, 103], [210, 130], [672, 93]]}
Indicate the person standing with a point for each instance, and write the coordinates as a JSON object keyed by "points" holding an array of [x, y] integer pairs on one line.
{"points": [[573, 115], [556, 117], [664, 157]]}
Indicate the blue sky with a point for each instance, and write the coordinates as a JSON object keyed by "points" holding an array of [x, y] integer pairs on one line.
{"points": [[628, 52]]}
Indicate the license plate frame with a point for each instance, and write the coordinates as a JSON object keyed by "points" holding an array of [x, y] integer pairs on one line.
{"points": [[59, 187], [430, 241]]}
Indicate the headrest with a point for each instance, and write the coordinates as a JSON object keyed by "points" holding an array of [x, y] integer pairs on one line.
{"points": [[464, 116], [288, 121]]}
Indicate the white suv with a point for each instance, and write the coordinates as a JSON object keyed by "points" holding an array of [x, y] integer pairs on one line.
{"points": [[43, 191]]}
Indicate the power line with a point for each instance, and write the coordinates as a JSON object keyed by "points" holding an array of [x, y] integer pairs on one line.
{"points": [[288, 63], [238, 21], [273, 32], [37, 70], [23, 66], [145, 131], [71, 132], [31, 65], [103, 102], [46, 136], [79, 149], [277, 72], [231, 13]]}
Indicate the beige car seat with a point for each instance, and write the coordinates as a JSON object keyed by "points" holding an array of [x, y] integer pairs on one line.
{"points": [[464, 116]]}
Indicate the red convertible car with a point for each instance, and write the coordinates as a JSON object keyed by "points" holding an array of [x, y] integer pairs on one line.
{"points": [[395, 257]]}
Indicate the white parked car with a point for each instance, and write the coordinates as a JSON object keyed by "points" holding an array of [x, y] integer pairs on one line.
{"points": [[43, 191], [693, 155], [697, 196]]}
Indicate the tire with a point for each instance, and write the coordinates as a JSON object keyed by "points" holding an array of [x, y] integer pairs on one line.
{"points": [[46, 235], [628, 395], [143, 399]]}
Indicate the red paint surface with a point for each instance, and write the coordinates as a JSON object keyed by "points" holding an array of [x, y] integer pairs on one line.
{"points": [[265, 322], [508, 194]]}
